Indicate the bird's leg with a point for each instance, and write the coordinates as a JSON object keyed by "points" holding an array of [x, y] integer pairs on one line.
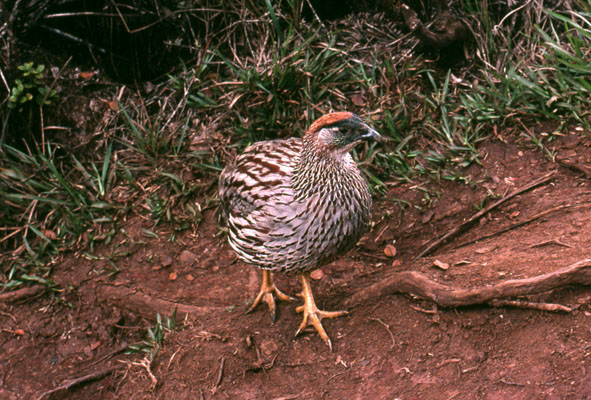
{"points": [[268, 288], [312, 315]]}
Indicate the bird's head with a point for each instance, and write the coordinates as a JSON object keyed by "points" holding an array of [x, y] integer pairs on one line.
{"points": [[339, 132]]}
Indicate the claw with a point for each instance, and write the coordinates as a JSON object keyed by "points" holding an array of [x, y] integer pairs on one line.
{"points": [[266, 294], [311, 314]]}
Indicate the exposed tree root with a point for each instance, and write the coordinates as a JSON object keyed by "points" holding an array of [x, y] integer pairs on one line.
{"points": [[148, 306], [419, 284], [21, 294]]}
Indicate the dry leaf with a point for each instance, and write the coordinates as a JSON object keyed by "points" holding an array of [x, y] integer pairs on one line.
{"points": [[86, 75], [514, 214], [390, 251], [49, 234], [427, 216], [440, 264], [358, 100]]}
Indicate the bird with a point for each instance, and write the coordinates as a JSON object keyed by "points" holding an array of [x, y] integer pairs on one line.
{"points": [[293, 205]]}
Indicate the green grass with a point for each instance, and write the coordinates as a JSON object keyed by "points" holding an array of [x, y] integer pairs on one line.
{"points": [[154, 338], [49, 201]]}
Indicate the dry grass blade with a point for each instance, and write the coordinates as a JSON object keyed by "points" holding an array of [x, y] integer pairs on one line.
{"points": [[460, 228]]}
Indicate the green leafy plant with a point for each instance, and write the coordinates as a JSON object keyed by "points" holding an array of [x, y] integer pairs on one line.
{"points": [[154, 336], [30, 87]]}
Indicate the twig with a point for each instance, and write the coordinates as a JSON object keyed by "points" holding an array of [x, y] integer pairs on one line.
{"points": [[294, 396], [421, 285], [9, 316], [172, 358], [495, 28], [387, 328], [221, 373], [73, 38], [551, 241], [460, 228], [419, 309], [13, 14], [83, 379], [469, 369], [528, 304], [6, 85], [110, 354], [375, 256], [316, 15], [337, 374]]}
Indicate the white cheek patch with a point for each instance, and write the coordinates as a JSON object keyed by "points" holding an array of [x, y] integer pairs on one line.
{"points": [[325, 136]]}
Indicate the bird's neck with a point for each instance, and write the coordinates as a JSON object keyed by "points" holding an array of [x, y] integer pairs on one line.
{"points": [[318, 169]]}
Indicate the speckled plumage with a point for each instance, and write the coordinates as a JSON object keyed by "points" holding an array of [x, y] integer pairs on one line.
{"points": [[293, 205]]}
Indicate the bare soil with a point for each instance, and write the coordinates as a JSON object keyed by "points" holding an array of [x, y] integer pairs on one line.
{"points": [[394, 346]]}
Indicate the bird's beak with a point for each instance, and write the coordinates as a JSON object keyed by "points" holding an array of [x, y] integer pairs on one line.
{"points": [[371, 135]]}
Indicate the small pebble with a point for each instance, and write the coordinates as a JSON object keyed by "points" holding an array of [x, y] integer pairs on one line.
{"points": [[440, 264], [317, 274]]}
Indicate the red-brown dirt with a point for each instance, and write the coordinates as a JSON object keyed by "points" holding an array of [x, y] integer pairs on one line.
{"points": [[392, 347]]}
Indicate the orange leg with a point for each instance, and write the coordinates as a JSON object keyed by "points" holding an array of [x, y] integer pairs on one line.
{"points": [[267, 292], [312, 315]]}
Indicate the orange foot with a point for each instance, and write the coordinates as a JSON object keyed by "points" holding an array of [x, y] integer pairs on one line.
{"points": [[312, 315], [266, 294]]}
